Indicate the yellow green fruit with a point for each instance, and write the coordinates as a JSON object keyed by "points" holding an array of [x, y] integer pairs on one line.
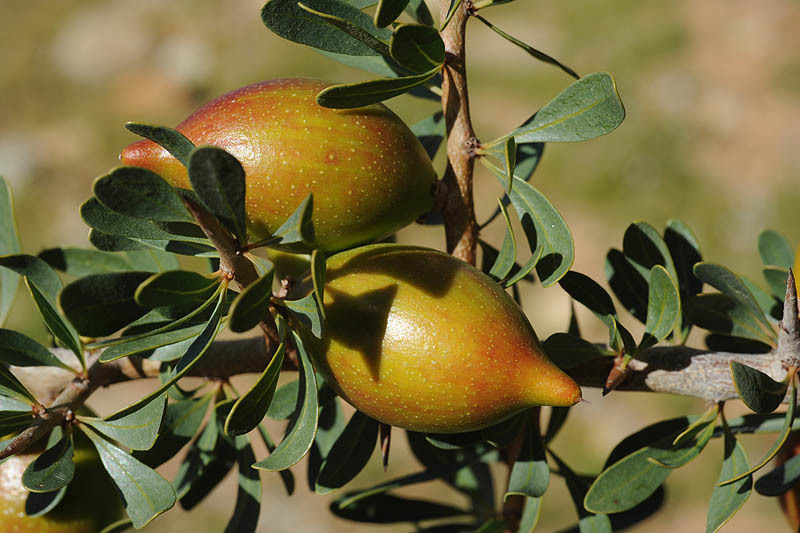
{"points": [[90, 503], [423, 341], [369, 174]]}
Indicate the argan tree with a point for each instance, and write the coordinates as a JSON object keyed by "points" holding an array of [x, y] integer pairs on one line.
{"points": [[323, 171]]}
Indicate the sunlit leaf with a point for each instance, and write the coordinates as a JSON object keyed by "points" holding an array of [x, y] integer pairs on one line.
{"points": [[297, 232], [137, 430], [150, 346], [252, 406], [727, 499], [530, 474], [53, 469], [58, 326], [371, 92], [417, 47], [9, 245], [663, 307], [20, 350], [775, 250], [308, 313], [146, 494]]}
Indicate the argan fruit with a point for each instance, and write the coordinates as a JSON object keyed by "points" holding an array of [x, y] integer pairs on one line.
{"points": [[421, 340], [369, 174]]}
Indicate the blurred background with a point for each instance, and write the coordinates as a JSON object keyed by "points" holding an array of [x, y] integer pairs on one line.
{"points": [[712, 136]]}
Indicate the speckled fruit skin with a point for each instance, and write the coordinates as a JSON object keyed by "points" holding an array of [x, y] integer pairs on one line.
{"points": [[423, 341], [369, 174], [90, 504]]}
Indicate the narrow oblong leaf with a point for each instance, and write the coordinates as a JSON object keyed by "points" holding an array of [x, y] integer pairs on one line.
{"points": [[297, 232], [152, 260], [11, 387], [776, 446], [251, 305], [663, 307], [349, 454], [628, 284], [171, 140], [728, 283], [140, 193], [417, 47], [146, 494], [781, 479], [727, 499], [318, 279], [303, 426], [248, 494], [775, 250], [150, 346], [137, 431], [175, 287], [757, 390], [530, 474], [349, 28], [307, 311], [722, 314], [530, 515], [53, 469], [251, 408], [20, 350], [217, 179], [61, 329], [388, 509], [288, 20], [388, 11], [36, 271], [588, 108], [371, 92], [507, 255], [82, 262], [9, 245], [100, 304], [544, 227]]}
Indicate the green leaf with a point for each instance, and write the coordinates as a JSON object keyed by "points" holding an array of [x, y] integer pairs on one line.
{"points": [[137, 430], [780, 480], [318, 267], [53, 469], [663, 308], [100, 304], [388, 11], [776, 446], [430, 132], [568, 351], [251, 407], [140, 193], [248, 495], [146, 494], [588, 292], [588, 108], [645, 248], [41, 503], [530, 474], [36, 271], [251, 305], [60, 328], [722, 314], [217, 179], [370, 92], [349, 454], [307, 311], [417, 47], [507, 256], [775, 250], [727, 499], [530, 515], [297, 233], [153, 260], [728, 283], [757, 390], [303, 425], [351, 29], [541, 56], [9, 245], [181, 422], [284, 401], [81, 262], [629, 285], [776, 279], [175, 287], [288, 20], [770, 306], [171, 140], [20, 350], [195, 352], [419, 11], [330, 426], [544, 227], [688, 444], [152, 346], [503, 433], [451, 10], [389, 509]]}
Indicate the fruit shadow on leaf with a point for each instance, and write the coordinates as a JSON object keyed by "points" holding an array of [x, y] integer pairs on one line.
{"points": [[360, 321]]}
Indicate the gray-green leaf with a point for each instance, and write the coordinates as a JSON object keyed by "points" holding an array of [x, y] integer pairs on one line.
{"points": [[171, 140], [140, 193]]}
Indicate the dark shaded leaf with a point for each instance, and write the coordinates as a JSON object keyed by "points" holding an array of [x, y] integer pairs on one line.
{"points": [[248, 495], [100, 304], [140, 193], [530, 474], [371, 92], [722, 314], [300, 436], [36, 271], [645, 248], [53, 469], [503, 433], [778, 481], [248, 411], [629, 285], [726, 500], [388, 509], [20, 350], [568, 351], [417, 47], [208, 461], [776, 280], [251, 305], [725, 343], [388, 11], [663, 308], [757, 390], [171, 140], [349, 454], [175, 287]]}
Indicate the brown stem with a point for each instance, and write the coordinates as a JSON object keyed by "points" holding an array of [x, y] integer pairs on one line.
{"points": [[461, 228]]}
